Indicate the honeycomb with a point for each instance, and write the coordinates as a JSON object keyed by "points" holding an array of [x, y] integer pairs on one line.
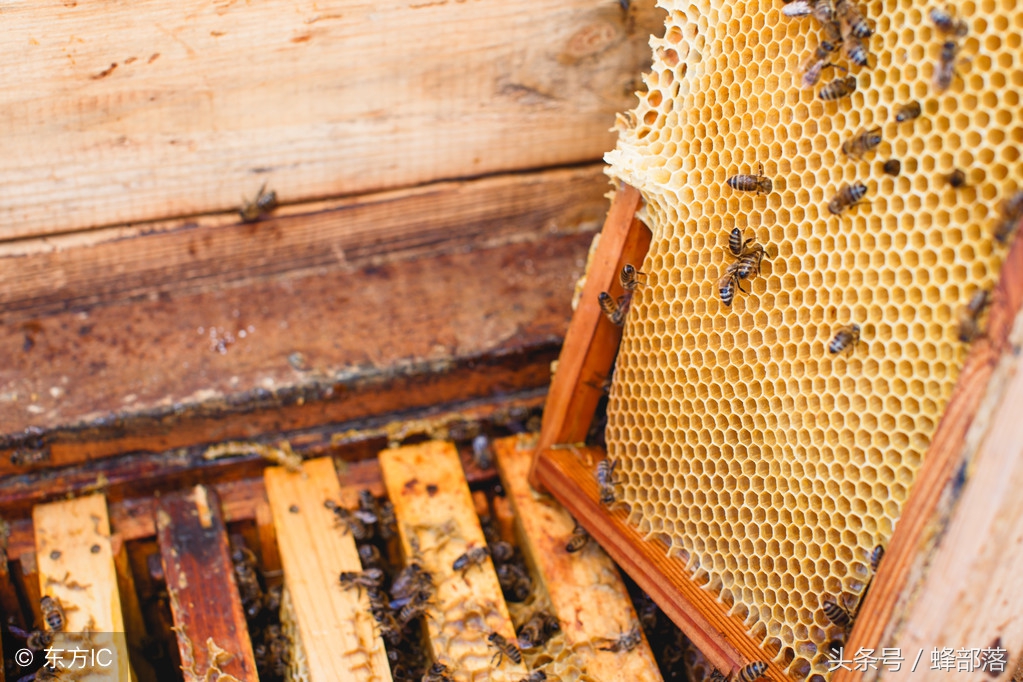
{"points": [[767, 464]]}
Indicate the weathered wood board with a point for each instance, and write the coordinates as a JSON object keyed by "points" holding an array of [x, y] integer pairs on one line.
{"points": [[585, 589], [437, 523], [76, 568], [209, 622], [338, 634], [125, 113]]}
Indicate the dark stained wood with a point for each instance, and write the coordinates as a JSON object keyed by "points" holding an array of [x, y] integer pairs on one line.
{"points": [[200, 579], [721, 638], [592, 340], [144, 376], [944, 472]]}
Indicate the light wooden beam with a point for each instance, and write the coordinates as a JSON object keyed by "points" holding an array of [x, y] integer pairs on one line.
{"points": [[437, 523], [585, 589], [338, 635], [76, 568]]}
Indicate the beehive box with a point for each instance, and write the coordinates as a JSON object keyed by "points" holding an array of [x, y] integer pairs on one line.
{"points": [[767, 465]]}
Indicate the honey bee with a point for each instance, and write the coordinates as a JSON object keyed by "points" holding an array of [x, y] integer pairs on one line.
{"points": [[758, 183], [753, 671], [438, 672], [353, 522], [847, 197], [969, 317], [580, 538], [836, 613], [502, 552], [53, 614], [474, 557], [862, 142], [814, 67], [411, 580], [1010, 214], [515, 582], [387, 523], [482, 453], [38, 640], [535, 676], [368, 505], [799, 8], [540, 627], [907, 112], [875, 557], [370, 557], [629, 277], [838, 88], [857, 52], [957, 179], [852, 21], [717, 676], [845, 339], [612, 310], [945, 71], [892, 167], [371, 578], [736, 244], [260, 207], [247, 579], [504, 648], [947, 24], [749, 262], [606, 480], [412, 607], [824, 11], [728, 283], [625, 642]]}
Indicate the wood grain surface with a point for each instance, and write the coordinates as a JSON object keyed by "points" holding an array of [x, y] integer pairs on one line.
{"points": [[204, 598], [120, 113]]}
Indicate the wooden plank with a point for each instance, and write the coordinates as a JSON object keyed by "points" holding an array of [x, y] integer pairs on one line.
{"points": [[939, 485], [592, 341], [212, 636], [435, 514], [147, 376], [125, 114], [335, 626], [134, 623], [569, 475], [41, 277], [76, 568], [584, 588], [975, 568]]}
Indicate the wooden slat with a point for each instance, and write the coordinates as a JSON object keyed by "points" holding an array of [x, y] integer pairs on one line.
{"points": [[76, 567], [584, 588], [128, 113], [144, 376], [336, 629], [435, 512], [209, 622], [9, 606], [592, 341], [136, 635], [569, 475], [40, 277], [975, 569]]}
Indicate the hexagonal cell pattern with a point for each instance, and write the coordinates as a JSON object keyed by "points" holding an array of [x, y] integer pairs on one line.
{"points": [[770, 465]]}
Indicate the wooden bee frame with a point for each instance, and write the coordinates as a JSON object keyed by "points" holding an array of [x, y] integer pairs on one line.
{"points": [[959, 533]]}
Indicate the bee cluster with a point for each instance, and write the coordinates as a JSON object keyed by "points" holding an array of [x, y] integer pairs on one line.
{"points": [[261, 603], [770, 413]]}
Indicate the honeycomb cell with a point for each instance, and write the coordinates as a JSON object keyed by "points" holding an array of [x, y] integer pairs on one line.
{"points": [[772, 465]]}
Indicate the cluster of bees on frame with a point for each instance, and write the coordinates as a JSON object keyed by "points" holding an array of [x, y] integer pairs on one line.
{"points": [[399, 599], [261, 604]]}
